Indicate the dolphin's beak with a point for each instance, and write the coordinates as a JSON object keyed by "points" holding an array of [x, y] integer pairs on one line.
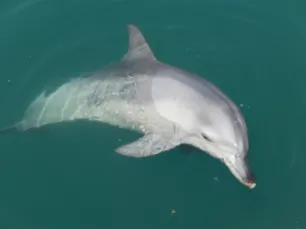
{"points": [[240, 169]]}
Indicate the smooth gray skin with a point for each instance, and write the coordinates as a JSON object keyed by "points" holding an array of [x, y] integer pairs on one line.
{"points": [[168, 105]]}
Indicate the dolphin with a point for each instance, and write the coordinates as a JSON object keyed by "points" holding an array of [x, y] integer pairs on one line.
{"points": [[168, 105]]}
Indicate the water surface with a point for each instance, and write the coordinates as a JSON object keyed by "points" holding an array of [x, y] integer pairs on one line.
{"points": [[68, 175]]}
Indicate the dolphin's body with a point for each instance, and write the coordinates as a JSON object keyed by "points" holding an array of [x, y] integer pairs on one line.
{"points": [[168, 105]]}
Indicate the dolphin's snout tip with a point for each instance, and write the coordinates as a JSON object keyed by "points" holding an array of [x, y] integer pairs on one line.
{"points": [[251, 185], [242, 172], [250, 180]]}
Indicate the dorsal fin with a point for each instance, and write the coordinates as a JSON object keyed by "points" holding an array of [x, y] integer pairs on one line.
{"points": [[138, 47]]}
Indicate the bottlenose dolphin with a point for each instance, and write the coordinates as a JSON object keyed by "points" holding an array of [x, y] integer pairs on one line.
{"points": [[168, 105]]}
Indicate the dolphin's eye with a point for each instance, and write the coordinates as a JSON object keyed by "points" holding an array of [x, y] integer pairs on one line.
{"points": [[206, 137]]}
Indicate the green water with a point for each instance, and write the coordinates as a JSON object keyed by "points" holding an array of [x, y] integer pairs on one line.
{"points": [[68, 175]]}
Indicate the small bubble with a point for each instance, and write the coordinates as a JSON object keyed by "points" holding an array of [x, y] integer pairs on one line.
{"points": [[241, 105], [173, 211]]}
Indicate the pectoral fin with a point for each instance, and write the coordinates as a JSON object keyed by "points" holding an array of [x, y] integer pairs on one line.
{"points": [[148, 145]]}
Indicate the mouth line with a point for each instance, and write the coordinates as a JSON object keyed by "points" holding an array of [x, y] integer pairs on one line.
{"points": [[249, 183]]}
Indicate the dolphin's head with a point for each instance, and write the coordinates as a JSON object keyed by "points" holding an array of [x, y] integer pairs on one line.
{"points": [[222, 133], [208, 119]]}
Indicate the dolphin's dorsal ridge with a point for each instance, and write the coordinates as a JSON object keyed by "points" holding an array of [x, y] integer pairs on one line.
{"points": [[138, 47]]}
